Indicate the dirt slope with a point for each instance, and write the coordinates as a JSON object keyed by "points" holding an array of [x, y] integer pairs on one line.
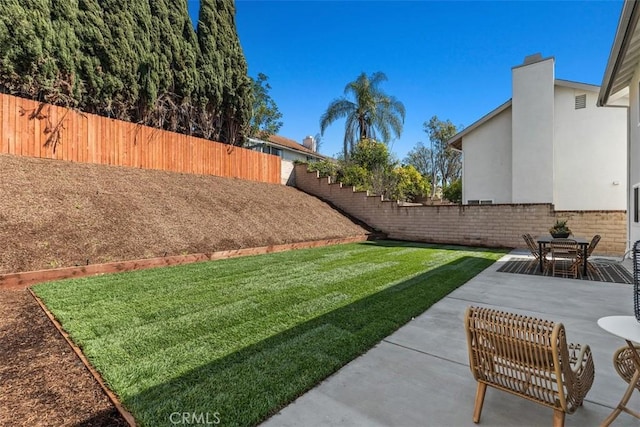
{"points": [[58, 214]]}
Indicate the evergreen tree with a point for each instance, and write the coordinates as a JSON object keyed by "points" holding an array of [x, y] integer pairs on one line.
{"points": [[122, 61], [64, 21], [174, 44], [237, 98], [93, 37], [144, 55], [186, 53], [211, 74], [26, 42]]}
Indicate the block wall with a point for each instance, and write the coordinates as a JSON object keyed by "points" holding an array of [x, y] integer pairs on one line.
{"points": [[498, 226]]}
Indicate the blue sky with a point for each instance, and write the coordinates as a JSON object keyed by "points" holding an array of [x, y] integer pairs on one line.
{"points": [[452, 59]]}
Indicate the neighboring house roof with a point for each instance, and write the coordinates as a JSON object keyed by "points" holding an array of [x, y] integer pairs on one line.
{"points": [[624, 56], [288, 144], [456, 140]]}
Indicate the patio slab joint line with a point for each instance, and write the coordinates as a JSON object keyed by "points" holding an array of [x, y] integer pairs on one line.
{"points": [[126, 415], [424, 352]]}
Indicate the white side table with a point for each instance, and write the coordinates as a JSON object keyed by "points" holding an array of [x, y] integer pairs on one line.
{"points": [[627, 328]]}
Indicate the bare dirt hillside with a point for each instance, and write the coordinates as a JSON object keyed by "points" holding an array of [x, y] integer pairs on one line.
{"points": [[58, 214]]}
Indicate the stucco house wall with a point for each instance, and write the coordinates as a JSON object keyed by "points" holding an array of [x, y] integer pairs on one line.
{"points": [[589, 153], [634, 154], [488, 145], [561, 153], [532, 132], [619, 90]]}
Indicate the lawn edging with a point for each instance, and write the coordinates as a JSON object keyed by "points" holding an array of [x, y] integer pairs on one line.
{"points": [[126, 415], [23, 280]]}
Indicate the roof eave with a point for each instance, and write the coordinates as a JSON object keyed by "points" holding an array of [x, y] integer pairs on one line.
{"points": [[455, 141], [624, 32]]}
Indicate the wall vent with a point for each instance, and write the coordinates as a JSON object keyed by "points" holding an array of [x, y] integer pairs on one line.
{"points": [[581, 101]]}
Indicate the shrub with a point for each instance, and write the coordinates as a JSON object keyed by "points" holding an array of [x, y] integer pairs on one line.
{"points": [[409, 184], [325, 167], [453, 192]]}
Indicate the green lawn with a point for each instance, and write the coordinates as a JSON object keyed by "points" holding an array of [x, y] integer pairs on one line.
{"points": [[243, 337]]}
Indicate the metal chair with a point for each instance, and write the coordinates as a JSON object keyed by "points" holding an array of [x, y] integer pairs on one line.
{"points": [[564, 257]]}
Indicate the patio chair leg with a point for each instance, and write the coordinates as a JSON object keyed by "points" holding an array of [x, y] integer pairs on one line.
{"points": [[480, 392], [558, 418]]}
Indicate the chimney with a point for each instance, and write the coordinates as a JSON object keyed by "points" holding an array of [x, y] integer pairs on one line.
{"points": [[310, 143]]}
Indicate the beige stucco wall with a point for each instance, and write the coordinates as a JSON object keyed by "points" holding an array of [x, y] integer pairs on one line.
{"points": [[487, 161], [589, 152], [480, 225]]}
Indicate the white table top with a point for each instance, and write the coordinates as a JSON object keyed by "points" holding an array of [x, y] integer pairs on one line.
{"points": [[625, 327]]}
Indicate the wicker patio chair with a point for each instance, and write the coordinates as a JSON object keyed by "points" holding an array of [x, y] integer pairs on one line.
{"points": [[527, 357], [592, 245], [623, 362], [535, 251], [564, 257]]}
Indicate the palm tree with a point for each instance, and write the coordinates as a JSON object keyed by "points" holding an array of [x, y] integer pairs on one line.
{"points": [[372, 112]]}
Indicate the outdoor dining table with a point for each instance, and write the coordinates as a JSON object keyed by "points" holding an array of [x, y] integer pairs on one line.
{"points": [[581, 241]]}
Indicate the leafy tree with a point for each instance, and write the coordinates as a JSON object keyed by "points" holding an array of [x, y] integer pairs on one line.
{"points": [[325, 167], [266, 117], [440, 163], [371, 155], [410, 184], [357, 176], [453, 192], [447, 162], [420, 158], [369, 114]]}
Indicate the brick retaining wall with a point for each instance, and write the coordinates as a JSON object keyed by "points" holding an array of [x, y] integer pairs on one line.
{"points": [[477, 225]]}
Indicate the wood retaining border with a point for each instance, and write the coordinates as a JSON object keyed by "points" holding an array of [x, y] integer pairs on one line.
{"points": [[23, 280], [96, 375]]}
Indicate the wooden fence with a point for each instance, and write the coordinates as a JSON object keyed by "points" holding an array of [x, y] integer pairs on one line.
{"points": [[33, 129]]}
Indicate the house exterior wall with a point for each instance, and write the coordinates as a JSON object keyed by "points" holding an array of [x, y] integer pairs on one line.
{"points": [[634, 154], [478, 225], [287, 175], [589, 152], [488, 145], [532, 132]]}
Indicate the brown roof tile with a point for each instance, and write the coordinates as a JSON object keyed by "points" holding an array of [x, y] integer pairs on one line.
{"points": [[290, 143]]}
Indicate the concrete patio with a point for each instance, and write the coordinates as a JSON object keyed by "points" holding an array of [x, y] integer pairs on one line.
{"points": [[419, 376]]}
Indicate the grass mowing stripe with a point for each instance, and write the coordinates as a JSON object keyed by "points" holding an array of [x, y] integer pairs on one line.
{"points": [[244, 336]]}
